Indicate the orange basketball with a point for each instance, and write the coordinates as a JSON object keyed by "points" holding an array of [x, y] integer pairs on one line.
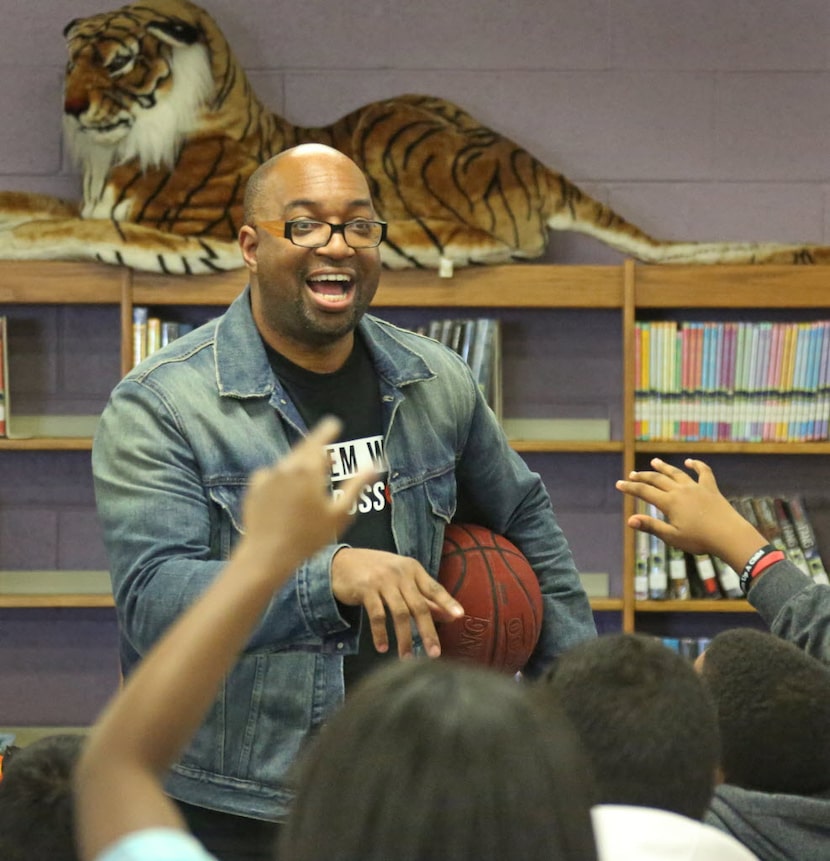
{"points": [[499, 591]]}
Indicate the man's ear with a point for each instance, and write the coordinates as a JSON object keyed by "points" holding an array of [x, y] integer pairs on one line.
{"points": [[249, 243]]}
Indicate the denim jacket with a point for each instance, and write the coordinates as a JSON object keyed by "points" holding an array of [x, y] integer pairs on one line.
{"points": [[175, 446]]}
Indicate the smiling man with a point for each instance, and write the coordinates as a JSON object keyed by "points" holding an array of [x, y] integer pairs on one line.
{"points": [[186, 428]]}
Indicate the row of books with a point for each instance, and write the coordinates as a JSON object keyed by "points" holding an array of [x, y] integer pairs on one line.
{"points": [[151, 333], [478, 341], [688, 647], [732, 381], [666, 573]]}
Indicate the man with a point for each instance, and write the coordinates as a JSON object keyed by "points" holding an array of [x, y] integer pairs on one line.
{"points": [[185, 429], [773, 706], [649, 728]]}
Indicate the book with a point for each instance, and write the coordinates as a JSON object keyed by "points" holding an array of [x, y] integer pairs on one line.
{"points": [[140, 315], [793, 547], [8, 428], [153, 335], [767, 523], [705, 569], [728, 580], [485, 360], [641, 557], [3, 376], [170, 330], [806, 538], [658, 576], [678, 576]]}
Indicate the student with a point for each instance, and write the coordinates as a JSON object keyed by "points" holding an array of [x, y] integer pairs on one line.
{"points": [[649, 728], [699, 519], [36, 808], [442, 760], [773, 707], [182, 432], [425, 760]]}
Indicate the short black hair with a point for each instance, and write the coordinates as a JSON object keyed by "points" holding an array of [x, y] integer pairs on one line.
{"points": [[36, 805], [645, 720], [773, 705]]}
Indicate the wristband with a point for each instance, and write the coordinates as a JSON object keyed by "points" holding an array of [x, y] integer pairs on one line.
{"points": [[759, 561]]}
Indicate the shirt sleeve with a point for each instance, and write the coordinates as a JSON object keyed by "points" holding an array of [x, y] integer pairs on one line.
{"points": [[795, 608], [157, 844]]}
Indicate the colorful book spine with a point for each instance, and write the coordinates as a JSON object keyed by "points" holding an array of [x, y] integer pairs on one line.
{"points": [[638, 380], [708, 578], [742, 381], [773, 384], [727, 428], [645, 381], [761, 380]]}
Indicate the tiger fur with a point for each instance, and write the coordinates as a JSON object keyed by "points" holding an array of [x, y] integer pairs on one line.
{"points": [[166, 130]]}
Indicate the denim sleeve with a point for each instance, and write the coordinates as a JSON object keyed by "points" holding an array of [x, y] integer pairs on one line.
{"points": [[496, 485], [166, 537], [795, 607]]}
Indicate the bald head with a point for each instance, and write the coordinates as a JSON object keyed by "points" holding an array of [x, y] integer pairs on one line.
{"points": [[290, 165]]}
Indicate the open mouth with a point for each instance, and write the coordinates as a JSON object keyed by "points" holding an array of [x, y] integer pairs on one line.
{"points": [[331, 288]]}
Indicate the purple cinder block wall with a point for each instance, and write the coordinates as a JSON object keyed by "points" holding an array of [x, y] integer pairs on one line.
{"points": [[703, 121]]}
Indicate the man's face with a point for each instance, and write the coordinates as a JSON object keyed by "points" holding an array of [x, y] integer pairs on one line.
{"points": [[311, 298]]}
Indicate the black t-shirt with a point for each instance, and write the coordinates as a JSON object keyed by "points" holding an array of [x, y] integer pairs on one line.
{"points": [[352, 394]]}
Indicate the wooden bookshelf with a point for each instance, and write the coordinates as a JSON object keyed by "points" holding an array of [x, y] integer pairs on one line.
{"points": [[629, 289]]}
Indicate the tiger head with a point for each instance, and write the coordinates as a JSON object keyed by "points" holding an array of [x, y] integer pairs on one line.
{"points": [[139, 80]]}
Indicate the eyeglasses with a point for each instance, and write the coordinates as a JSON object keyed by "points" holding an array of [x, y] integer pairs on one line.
{"points": [[359, 233]]}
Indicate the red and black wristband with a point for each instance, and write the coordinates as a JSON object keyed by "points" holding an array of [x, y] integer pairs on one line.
{"points": [[759, 561]]}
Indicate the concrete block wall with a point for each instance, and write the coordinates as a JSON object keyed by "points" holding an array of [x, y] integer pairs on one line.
{"points": [[704, 120]]}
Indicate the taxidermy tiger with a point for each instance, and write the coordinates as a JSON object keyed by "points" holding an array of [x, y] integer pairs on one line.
{"points": [[166, 130]]}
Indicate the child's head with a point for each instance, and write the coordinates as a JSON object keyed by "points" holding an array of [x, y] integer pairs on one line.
{"points": [[773, 705], [436, 759], [36, 809], [645, 720]]}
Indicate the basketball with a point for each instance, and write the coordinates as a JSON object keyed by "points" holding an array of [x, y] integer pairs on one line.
{"points": [[502, 602]]}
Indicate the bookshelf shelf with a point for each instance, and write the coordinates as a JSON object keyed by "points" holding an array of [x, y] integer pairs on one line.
{"points": [[526, 446], [482, 287], [778, 448], [63, 600], [694, 606], [632, 290], [538, 446], [606, 604], [47, 444]]}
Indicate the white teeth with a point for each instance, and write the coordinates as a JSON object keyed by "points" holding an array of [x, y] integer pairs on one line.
{"points": [[331, 277]]}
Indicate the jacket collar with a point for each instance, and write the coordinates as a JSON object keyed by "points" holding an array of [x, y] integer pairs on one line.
{"points": [[243, 370]]}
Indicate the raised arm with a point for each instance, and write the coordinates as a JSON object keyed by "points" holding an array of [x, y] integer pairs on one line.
{"points": [[699, 518], [288, 514]]}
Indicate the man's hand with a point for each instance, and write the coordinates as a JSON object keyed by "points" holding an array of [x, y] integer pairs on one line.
{"points": [[387, 583]]}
